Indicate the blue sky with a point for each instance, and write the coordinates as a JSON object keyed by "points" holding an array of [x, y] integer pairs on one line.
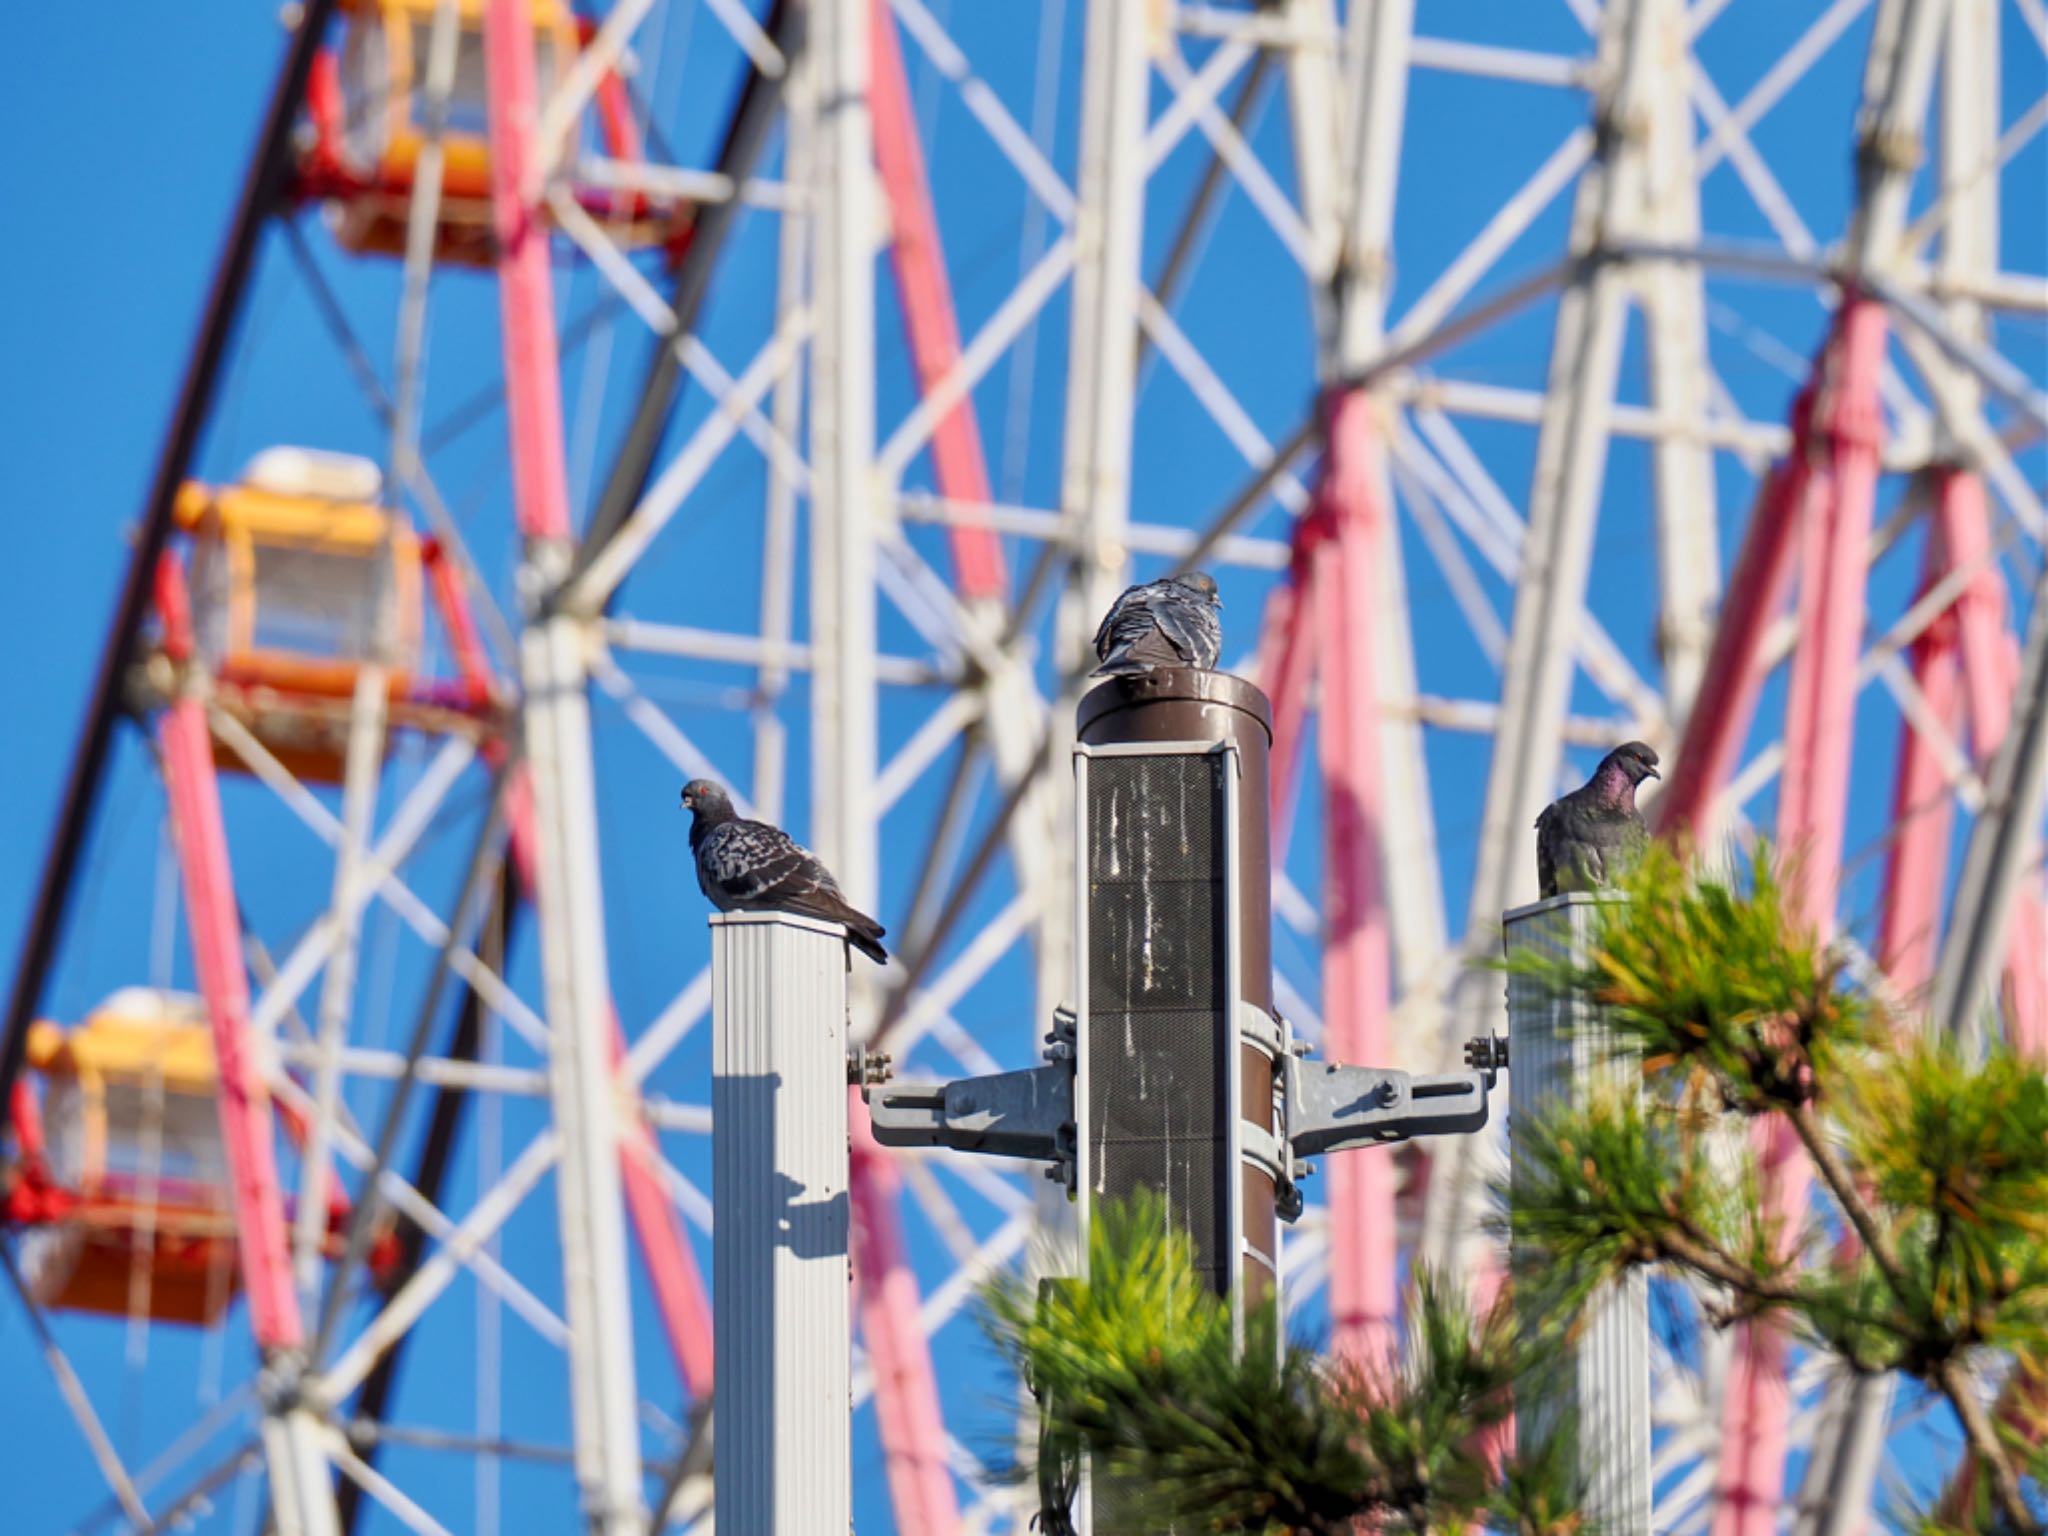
{"points": [[141, 132]]}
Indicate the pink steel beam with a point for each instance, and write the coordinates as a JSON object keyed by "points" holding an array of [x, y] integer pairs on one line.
{"points": [[216, 925], [1357, 978], [1725, 704], [526, 306], [1923, 812], [464, 643], [1722, 709], [906, 1389], [926, 298], [899, 1357], [1286, 661], [1834, 560], [679, 1294], [1990, 658], [1813, 792]]}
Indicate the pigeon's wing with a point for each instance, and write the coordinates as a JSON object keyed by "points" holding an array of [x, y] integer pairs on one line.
{"points": [[754, 865], [1130, 604], [1635, 842], [1546, 852], [1191, 626]]}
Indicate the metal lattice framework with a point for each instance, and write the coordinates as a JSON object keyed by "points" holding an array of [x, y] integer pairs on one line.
{"points": [[1478, 552]]}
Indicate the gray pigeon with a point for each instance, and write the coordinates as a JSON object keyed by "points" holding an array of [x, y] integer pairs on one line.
{"points": [[1170, 623], [749, 866], [1587, 838]]}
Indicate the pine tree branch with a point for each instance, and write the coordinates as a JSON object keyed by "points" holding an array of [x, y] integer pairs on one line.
{"points": [[1843, 1186], [2005, 1483], [1949, 1374], [1718, 1265]]}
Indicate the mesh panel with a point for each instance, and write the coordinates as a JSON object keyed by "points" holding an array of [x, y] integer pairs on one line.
{"points": [[1156, 1007], [1158, 1016]]}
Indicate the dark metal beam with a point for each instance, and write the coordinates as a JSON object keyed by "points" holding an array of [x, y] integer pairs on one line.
{"points": [[746, 136], [262, 190], [437, 1150]]}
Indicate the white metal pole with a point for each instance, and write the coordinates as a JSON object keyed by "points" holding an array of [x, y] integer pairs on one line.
{"points": [[596, 1298], [1562, 1056], [779, 1178]]}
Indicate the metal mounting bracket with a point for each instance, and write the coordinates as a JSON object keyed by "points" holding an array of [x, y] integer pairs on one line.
{"points": [[1027, 1114], [1331, 1107]]}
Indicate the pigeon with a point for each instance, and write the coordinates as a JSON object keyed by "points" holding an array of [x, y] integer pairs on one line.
{"points": [[1587, 838], [1170, 623], [749, 866]]}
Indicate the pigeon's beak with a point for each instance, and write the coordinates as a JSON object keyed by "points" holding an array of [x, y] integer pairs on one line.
{"points": [[1650, 772]]}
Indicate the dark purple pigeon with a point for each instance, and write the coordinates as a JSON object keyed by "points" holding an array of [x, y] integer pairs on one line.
{"points": [[1586, 839], [1170, 623], [749, 866]]}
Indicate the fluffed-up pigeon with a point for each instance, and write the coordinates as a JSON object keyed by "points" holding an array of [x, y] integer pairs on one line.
{"points": [[1588, 838], [749, 866], [1170, 623]]}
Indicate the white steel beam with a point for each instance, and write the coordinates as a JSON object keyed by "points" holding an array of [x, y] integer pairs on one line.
{"points": [[1564, 505], [1102, 353], [364, 766], [596, 1298], [1673, 302], [844, 509], [1379, 41], [778, 528]]}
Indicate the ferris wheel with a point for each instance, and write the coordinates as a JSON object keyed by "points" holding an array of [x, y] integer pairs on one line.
{"points": [[591, 399]]}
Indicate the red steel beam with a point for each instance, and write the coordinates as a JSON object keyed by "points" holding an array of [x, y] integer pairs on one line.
{"points": [[1357, 965], [1846, 433], [899, 1355], [926, 298], [211, 913]]}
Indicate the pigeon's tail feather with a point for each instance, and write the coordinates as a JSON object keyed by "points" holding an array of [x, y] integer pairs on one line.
{"points": [[869, 942], [862, 931], [1122, 665], [1135, 656]]}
